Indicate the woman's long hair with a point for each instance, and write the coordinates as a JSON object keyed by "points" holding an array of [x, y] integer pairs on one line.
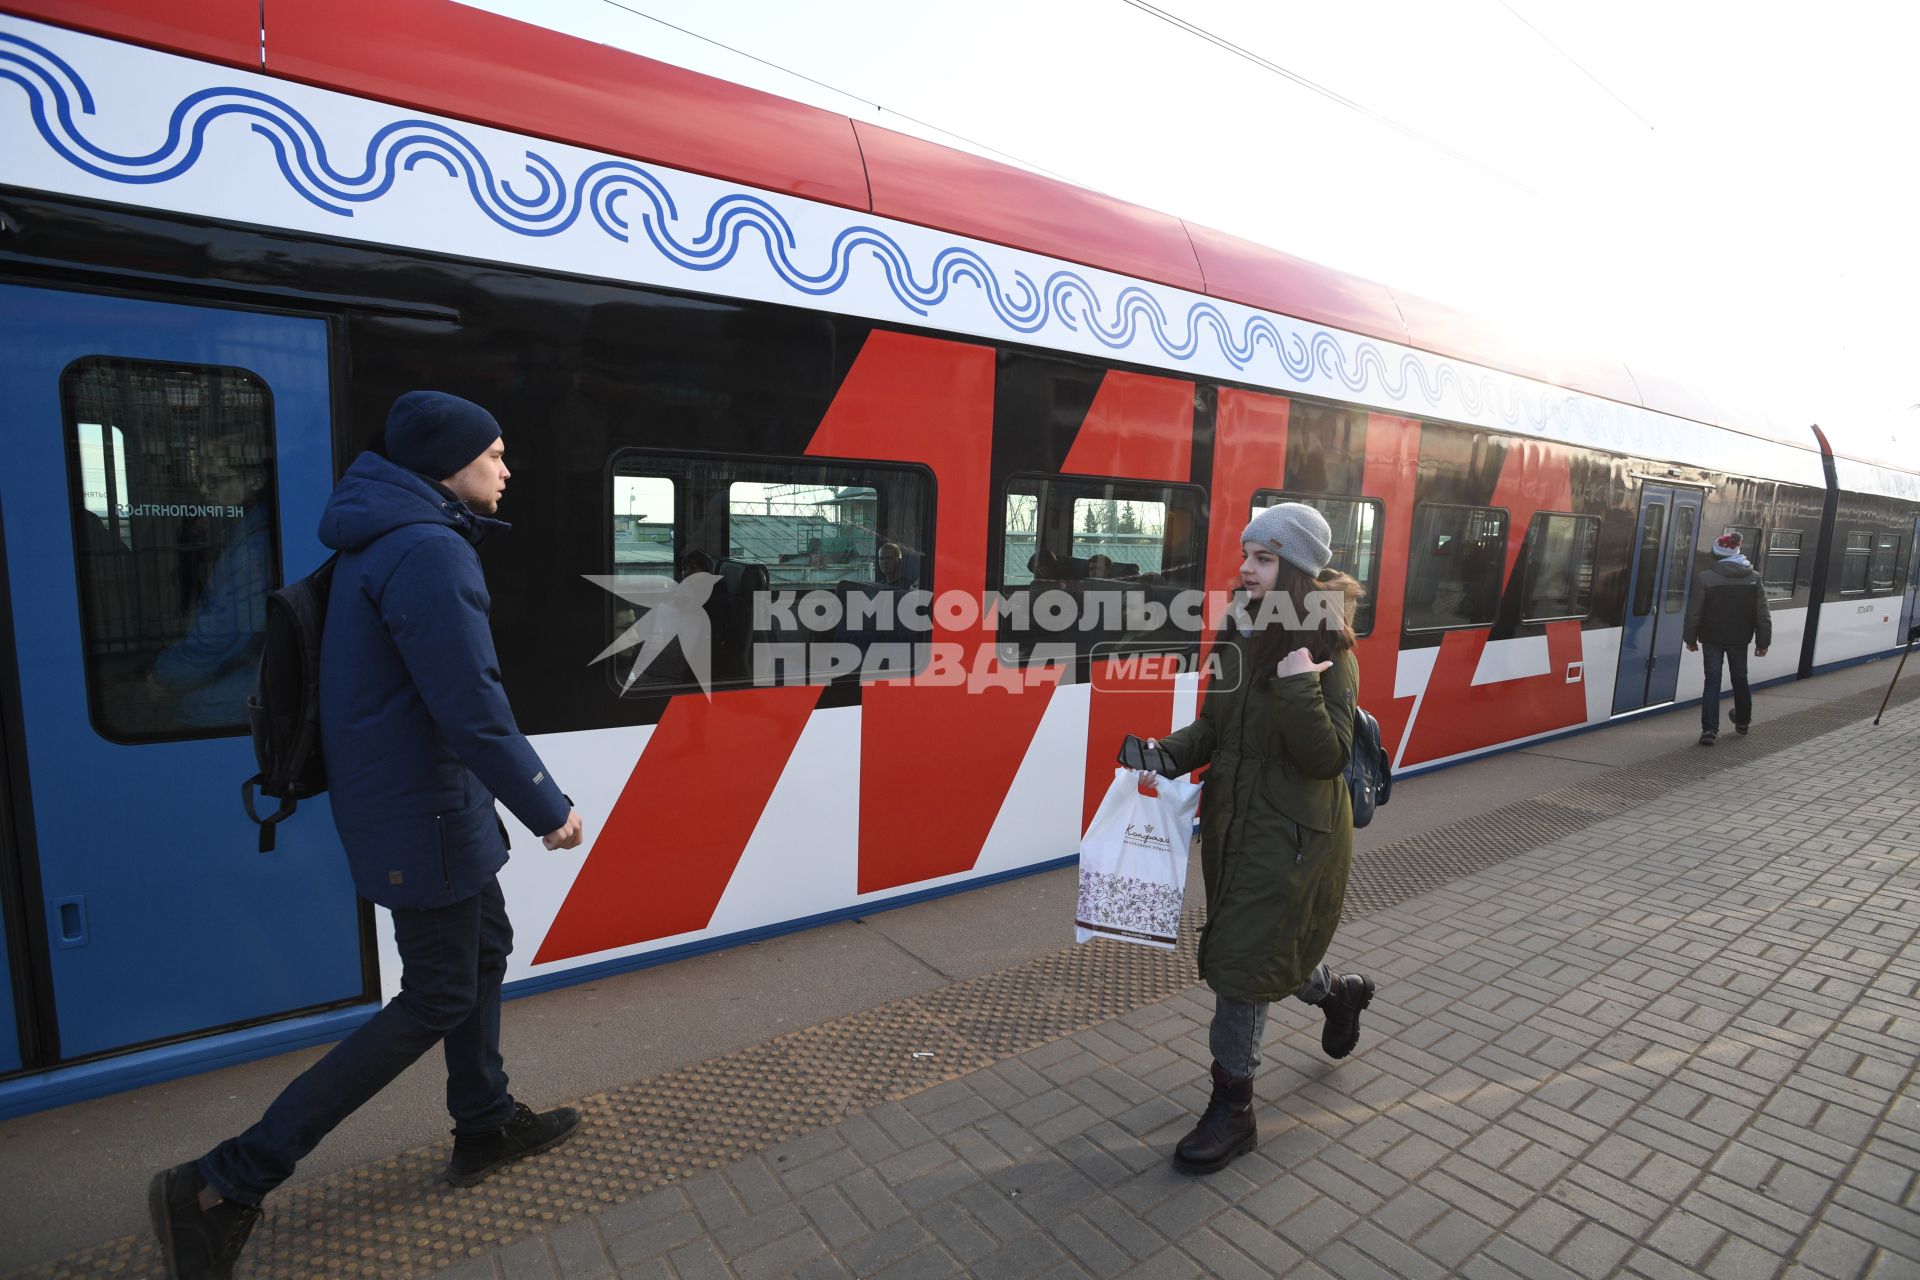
{"points": [[1269, 644]]}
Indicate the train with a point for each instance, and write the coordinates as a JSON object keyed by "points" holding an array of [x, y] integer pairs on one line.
{"points": [[812, 362]]}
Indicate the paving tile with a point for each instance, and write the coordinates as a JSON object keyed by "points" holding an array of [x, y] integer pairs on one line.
{"points": [[1028, 1256], [1221, 1259], [580, 1253], [780, 1257], [833, 1216], [957, 1232], [877, 1250], [1089, 1246]]}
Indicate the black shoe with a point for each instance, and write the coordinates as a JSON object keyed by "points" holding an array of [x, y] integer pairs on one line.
{"points": [[475, 1155], [1740, 729], [1708, 735], [1226, 1130], [196, 1242], [1351, 993]]}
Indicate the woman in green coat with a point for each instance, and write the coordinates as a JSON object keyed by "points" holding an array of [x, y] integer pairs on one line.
{"points": [[1276, 838]]}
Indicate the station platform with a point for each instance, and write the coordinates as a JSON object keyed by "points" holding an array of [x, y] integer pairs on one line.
{"points": [[1644, 1008]]}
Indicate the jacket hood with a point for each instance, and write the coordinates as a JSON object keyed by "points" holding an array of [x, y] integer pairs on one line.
{"points": [[1734, 567], [377, 496]]}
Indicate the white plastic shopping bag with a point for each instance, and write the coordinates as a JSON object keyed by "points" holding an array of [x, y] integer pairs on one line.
{"points": [[1133, 860]]}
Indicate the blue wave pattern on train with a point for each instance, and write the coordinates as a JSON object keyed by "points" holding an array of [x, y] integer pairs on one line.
{"points": [[1065, 297]]}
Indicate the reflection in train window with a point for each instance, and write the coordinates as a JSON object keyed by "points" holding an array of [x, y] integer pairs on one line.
{"points": [[1853, 565], [1455, 569], [1880, 567], [1357, 525], [1682, 562], [1094, 548], [766, 530], [1646, 568], [1782, 575], [176, 541], [1559, 567], [643, 526]]}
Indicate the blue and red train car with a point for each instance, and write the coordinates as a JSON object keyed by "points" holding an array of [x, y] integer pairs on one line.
{"points": [[832, 359]]}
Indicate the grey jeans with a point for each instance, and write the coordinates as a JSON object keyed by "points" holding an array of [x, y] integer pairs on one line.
{"points": [[1239, 1024]]}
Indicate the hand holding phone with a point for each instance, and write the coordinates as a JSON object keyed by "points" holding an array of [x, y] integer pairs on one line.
{"points": [[1148, 754]]}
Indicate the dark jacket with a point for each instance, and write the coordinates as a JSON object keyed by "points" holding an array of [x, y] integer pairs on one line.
{"points": [[1728, 608], [414, 723], [211, 668], [1276, 820]]}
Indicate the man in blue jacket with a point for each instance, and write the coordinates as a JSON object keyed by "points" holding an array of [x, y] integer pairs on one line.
{"points": [[419, 741]]}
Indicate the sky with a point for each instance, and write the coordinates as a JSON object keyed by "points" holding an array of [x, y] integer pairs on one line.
{"points": [[1721, 193]]}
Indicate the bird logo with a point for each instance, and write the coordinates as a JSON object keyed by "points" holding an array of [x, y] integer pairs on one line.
{"points": [[668, 611]]}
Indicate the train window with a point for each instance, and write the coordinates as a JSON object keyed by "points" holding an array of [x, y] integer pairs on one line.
{"points": [[643, 527], [806, 534], [1454, 574], [1880, 567], [1682, 559], [1782, 577], [1853, 566], [1646, 568], [1357, 525], [1559, 573], [176, 541], [1098, 549]]}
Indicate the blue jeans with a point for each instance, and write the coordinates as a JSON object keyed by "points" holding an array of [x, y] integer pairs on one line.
{"points": [[1238, 1025], [452, 960], [1711, 656]]}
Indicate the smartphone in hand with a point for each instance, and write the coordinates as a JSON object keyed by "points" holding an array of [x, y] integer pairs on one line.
{"points": [[1136, 754]]}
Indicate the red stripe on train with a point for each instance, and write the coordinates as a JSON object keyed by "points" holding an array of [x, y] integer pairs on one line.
{"points": [[1457, 715], [936, 762], [1139, 427], [1392, 470], [663, 860]]}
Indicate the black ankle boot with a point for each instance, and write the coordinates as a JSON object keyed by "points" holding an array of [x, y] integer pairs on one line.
{"points": [[1351, 993], [475, 1155], [1226, 1129], [196, 1242]]}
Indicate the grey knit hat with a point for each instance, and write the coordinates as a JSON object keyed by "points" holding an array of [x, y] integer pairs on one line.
{"points": [[1297, 532]]}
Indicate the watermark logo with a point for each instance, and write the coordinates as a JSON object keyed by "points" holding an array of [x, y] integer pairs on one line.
{"points": [[1116, 667], [952, 638], [669, 611]]}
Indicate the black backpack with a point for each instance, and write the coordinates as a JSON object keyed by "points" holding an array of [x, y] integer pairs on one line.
{"points": [[1369, 771], [284, 707]]}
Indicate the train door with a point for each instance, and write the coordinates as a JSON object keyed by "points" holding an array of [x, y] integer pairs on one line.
{"points": [[1664, 539], [1910, 611], [165, 466], [13, 935]]}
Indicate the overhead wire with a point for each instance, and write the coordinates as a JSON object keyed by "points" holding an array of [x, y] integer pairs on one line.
{"points": [[801, 75], [1519, 17], [1241, 51]]}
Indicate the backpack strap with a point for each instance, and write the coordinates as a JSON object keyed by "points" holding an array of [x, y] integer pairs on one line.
{"points": [[266, 824]]}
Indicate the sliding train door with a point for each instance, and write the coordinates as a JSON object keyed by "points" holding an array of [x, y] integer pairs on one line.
{"points": [[165, 466], [1650, 642]]}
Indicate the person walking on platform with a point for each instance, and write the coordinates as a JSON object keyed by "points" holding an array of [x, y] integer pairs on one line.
{"points": [[418, 740], [1276, 838], [1726, 612]]}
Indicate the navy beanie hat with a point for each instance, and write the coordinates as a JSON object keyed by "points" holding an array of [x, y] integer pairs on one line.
{"points": [[437, 434]]}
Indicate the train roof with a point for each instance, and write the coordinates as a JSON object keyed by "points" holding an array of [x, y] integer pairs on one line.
{"points": [[452, 60]]}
